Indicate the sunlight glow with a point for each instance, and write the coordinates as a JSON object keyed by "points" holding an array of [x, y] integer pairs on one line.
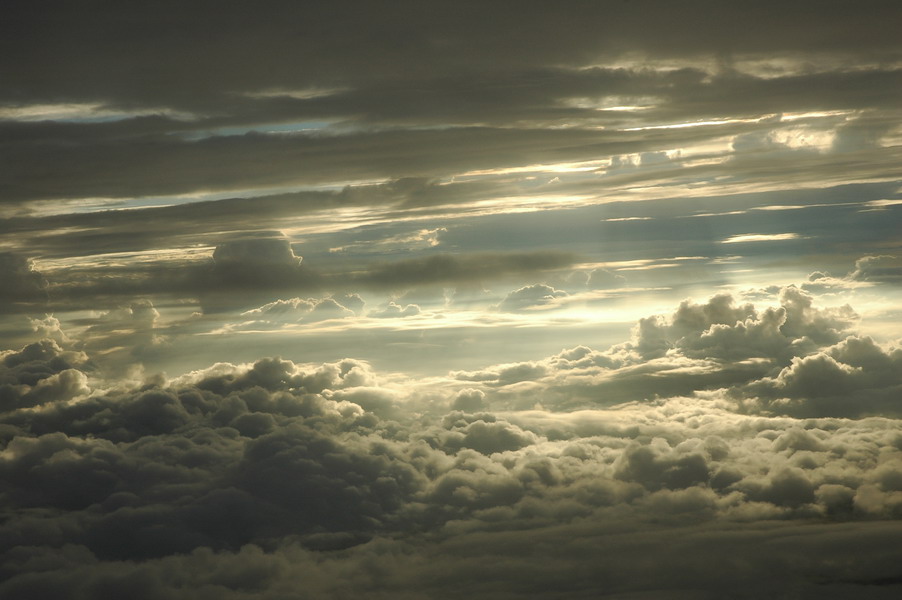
{"points": [[85, 111], [761, 237]]}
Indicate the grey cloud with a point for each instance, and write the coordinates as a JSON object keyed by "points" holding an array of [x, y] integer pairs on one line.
{"points": [[329, 309], [720, 329], [467, 268], [289, 307], [249, 268], [877, 269], [656, 466], [393, 310], [256, 249], [469, 400], [292, 160], [530, 297], [22, 284], [713, 345], [351, 301], [266, 270], [604, 278], [129, 163], [853, 378], [41, 372], [180, 225], [409, 39], [483, 433], [725, 449], [262, 462], [299, 310]]}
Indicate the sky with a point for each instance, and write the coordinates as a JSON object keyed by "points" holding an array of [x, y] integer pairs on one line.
{"points": [[450, 299]]}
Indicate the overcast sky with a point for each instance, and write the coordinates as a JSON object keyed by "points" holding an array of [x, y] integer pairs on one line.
{"points": [[432, 299]]}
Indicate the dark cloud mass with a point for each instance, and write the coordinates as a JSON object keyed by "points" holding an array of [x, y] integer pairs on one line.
{"points": [[425, 299], [168, 485]]}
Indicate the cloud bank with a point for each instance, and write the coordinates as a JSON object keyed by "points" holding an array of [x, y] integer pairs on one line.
{"points": [[675, 447]]}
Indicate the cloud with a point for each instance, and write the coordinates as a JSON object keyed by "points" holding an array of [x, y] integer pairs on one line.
{"points": [[278, 313], [604, 278], [256, 249], [21, 282], [39, 373], [530, 297], [393, 310], [760, 237], [166, 159], [275, 463], [469, 400], [448, 269], [249, 268], [881, 268], [715, 345], [854, 378]]}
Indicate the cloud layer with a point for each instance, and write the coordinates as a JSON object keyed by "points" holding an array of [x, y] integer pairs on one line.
{"points": [[440, 300], [673, 440]]}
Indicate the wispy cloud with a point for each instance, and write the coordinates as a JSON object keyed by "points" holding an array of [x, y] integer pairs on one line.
{"points": [[761, 237]]}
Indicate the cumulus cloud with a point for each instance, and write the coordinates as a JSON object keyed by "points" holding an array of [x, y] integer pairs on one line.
{"points": [[715, 345], [251, 267], [530, 297], [877, 268], [41, 372], [853, 378], [257, 249], [274, 462], [301, 310]]}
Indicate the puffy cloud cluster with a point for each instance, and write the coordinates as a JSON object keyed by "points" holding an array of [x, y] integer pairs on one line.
{"points": [[253, 480], [40, 372], [793, 358], [855, 377], [721, 330]]}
